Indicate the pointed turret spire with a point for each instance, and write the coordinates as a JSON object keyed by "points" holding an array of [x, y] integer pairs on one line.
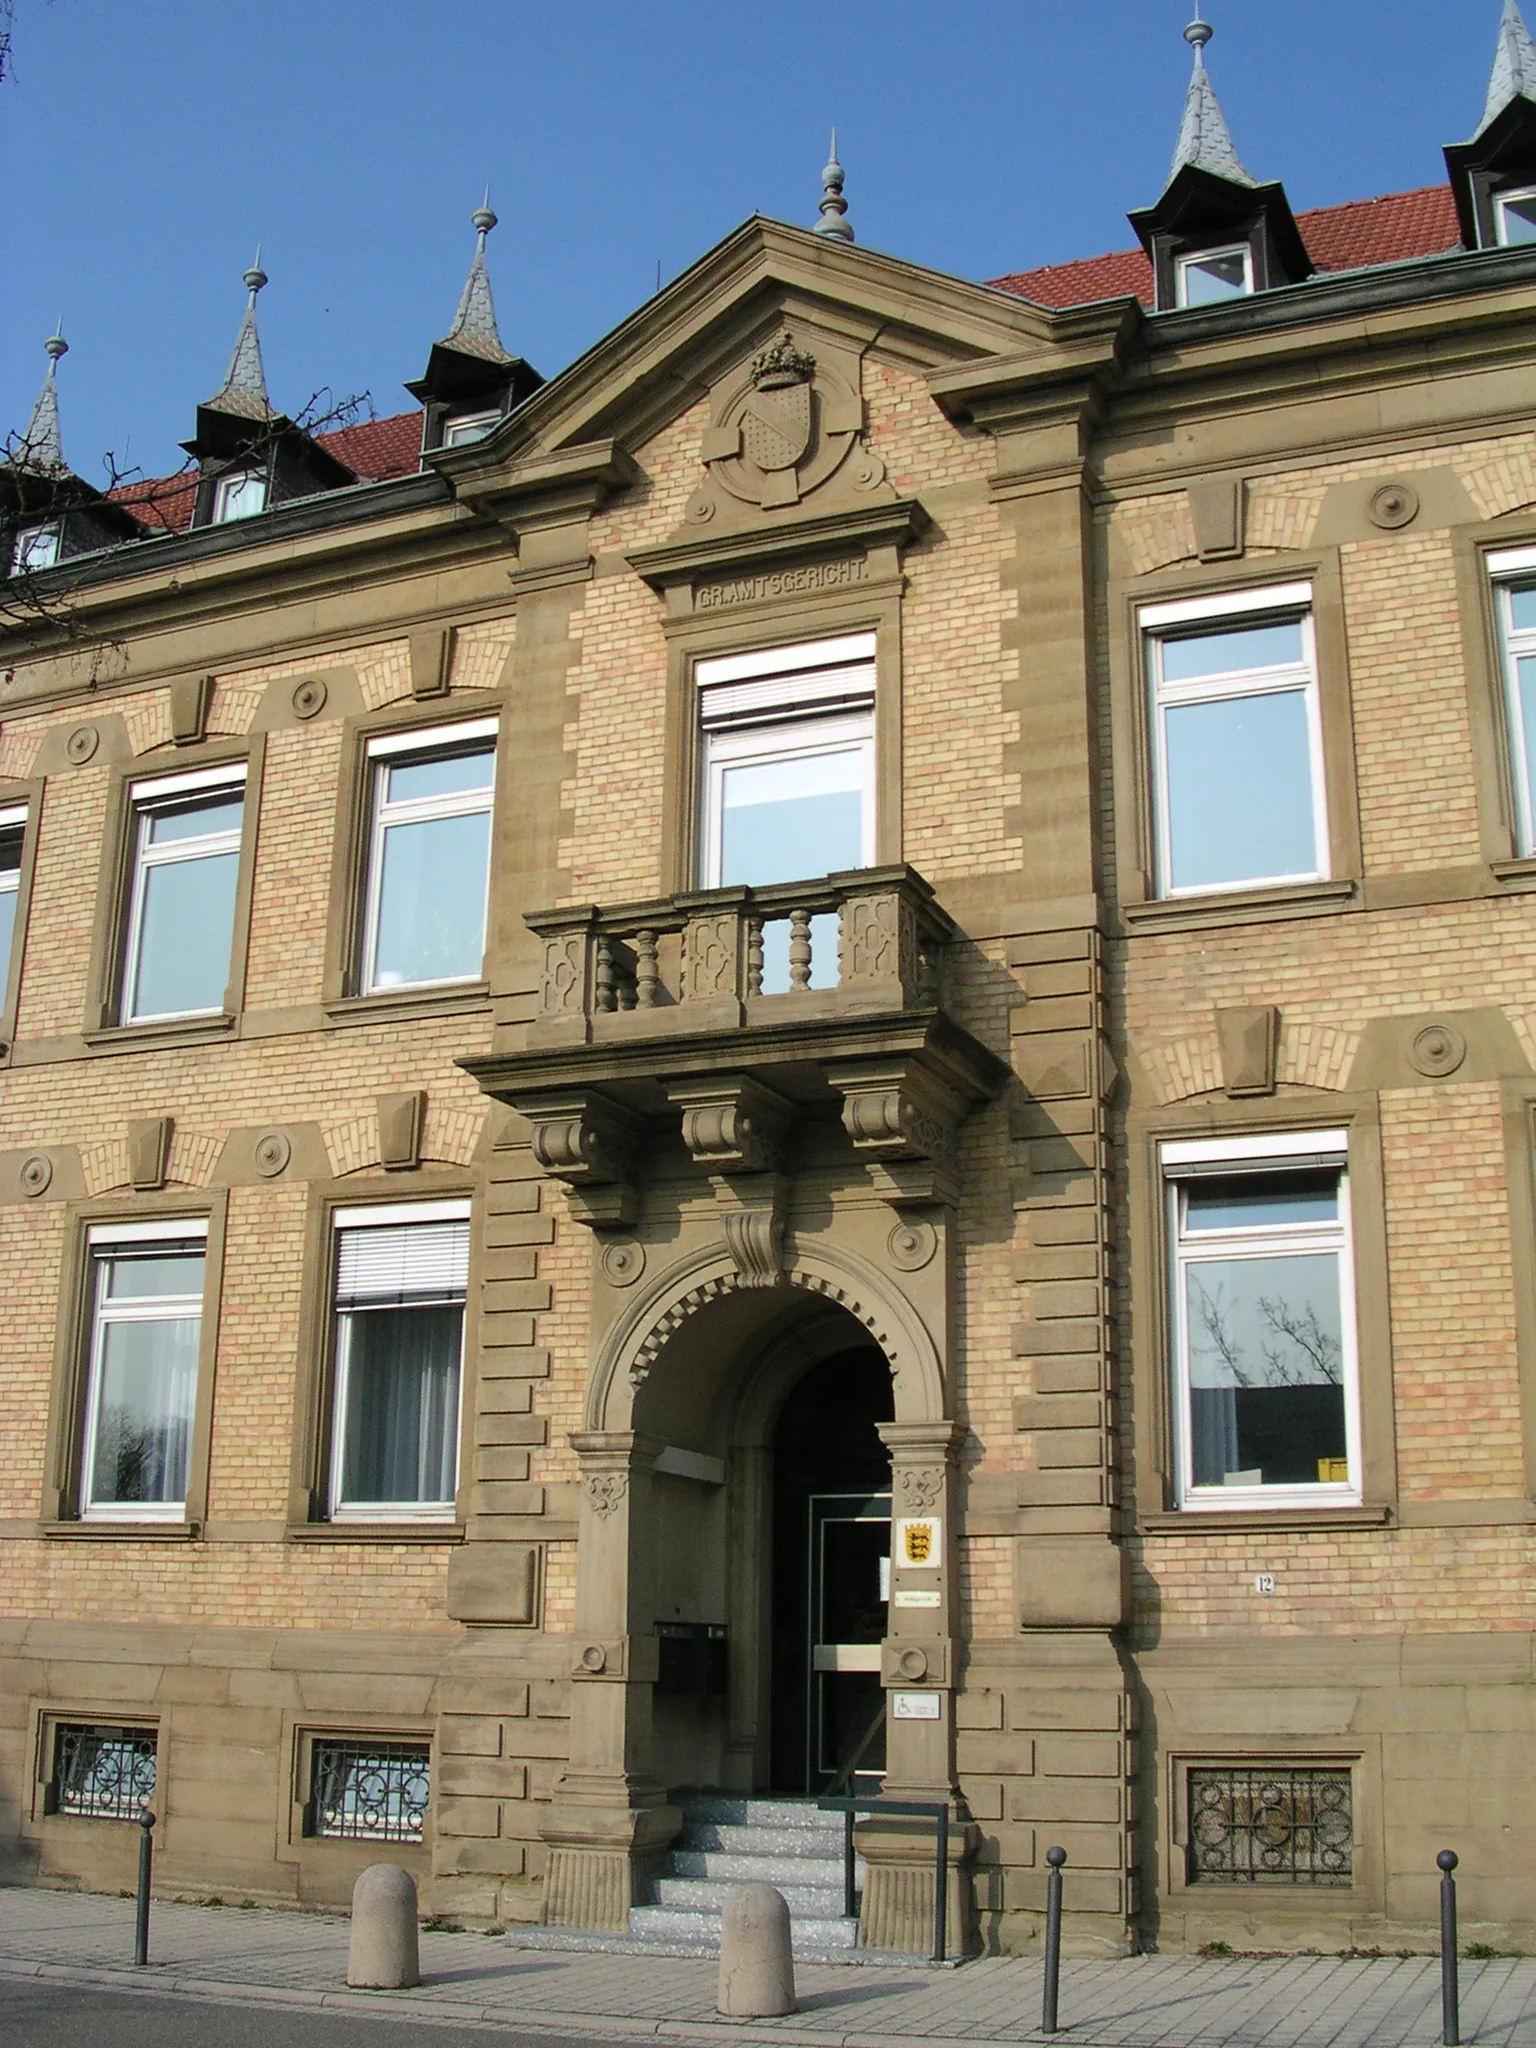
{"points": [[41, 449], [833, 207], [244, 390], [1205, 141], [474, 331], [1514, 66]]}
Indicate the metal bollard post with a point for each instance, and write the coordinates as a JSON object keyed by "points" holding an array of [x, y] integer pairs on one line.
{"points": [[146, 1861], [1450, 1987], [1055, 1858]]}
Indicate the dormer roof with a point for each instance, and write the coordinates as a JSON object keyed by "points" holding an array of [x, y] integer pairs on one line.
{"points": [[1502, 153], [1205, 141], [470, 365]]}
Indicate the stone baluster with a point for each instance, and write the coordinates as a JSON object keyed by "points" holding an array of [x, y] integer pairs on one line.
{"points": [[605, 997], [754, 956], [647, 977], [799, 949]]}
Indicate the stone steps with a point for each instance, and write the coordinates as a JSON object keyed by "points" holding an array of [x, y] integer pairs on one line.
{"points": [[726, 1866], [728, 1840], [708, 1895]]}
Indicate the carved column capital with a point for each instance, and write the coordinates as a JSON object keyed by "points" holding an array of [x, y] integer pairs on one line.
{"points": [[732, 1123], [592, 1144]]}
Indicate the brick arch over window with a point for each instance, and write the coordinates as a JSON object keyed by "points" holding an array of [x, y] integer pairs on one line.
{"points": [[637, 1345]]}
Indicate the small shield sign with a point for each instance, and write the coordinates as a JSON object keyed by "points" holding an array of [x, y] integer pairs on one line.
{"points": [[776, 426]]}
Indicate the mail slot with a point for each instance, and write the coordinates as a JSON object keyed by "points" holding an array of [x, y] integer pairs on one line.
{"points": [[691, 1661]]}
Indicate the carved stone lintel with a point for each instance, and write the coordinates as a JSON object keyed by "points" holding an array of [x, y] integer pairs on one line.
{"points": [[592, 1145], [733, 1123], [755, 1212]]}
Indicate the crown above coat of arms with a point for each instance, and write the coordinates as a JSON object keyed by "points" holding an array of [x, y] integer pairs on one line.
{"points": [[780, 364]]}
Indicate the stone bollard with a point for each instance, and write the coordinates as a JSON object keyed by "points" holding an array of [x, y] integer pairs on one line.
{"points": [[383, 1954], [757, 1968]]}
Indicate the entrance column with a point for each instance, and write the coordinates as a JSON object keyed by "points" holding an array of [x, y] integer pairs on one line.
{"points": [[609, 1820], [918, 1672]]}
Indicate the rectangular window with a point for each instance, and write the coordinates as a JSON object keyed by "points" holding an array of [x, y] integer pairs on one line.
{"points": [[1263, 1337], [1514, 215], [1514, 592], [240, 495], [13, 833], [1208, 276], [146, 1296], [1271, 1824], [469, 426], [368, 1791], [789, 777], [1237, 743], [37, 547], [181, 903], [402, 1273], [429, 856], [102, 1773]]}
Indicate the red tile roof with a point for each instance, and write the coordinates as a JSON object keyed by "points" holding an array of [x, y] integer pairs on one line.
{"points": [[375, 449], [1352, 237]]}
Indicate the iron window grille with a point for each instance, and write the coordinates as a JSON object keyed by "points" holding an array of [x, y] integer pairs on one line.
{"points": [[368, 1791], [1271, 1825], [102, 1773]]}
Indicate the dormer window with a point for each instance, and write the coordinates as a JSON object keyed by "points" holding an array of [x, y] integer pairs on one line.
{"points": [[1206, 277], [240, 495], [1514, 215], [469, 426], [37, 547]]}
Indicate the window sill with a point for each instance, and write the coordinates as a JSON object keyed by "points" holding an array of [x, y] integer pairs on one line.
{"points": [[1230, 1521], [455, 999], [170, 1032], [1241, 906], [1517, 876], [95, 1531], [375, 1532]]}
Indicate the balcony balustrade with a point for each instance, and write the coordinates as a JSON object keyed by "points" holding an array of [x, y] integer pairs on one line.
{"points": [[872, 939]]}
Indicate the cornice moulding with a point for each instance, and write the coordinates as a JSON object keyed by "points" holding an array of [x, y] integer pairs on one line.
{"points": [[871, 526]]}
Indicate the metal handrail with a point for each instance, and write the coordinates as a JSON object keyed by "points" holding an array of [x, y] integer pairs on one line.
{"points": [[935, 1810], [852, 1764]]}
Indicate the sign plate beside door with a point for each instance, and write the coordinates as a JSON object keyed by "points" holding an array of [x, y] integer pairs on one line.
{"points": [[920, 1542], [915, 1706]]}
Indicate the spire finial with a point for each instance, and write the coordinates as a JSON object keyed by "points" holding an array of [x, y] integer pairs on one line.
{"points": [[1514, 65], [474, 331], [41, 449], [1204, 137], [244, 390], [832, 206]]}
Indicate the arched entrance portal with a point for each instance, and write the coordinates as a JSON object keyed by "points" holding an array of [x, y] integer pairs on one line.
{"points": [[830, 1567]]}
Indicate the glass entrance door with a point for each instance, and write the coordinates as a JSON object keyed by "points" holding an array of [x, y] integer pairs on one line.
{"points": [[850, 1588]]}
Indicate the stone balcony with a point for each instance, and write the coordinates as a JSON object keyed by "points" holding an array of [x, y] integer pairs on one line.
{"points": [[690, 1017], [696, 962]]}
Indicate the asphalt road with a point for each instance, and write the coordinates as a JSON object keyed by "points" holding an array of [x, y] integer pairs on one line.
{"points": [[35, 2014]]}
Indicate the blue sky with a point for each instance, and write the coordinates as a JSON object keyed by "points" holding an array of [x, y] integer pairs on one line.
{"points": [[146, 149]]}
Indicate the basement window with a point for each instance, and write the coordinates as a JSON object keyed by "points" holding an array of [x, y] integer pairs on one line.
{"points": [[1271, 1824], [368, 1791], [101, 1773]]}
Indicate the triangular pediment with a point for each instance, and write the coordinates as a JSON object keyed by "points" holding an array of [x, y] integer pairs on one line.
{"points": [[703, 333]]}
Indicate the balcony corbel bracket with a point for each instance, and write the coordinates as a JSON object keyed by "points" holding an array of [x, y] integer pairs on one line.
{"points": [[732, 1123], [904, 1121], [754, 1216], [592, 1145]]}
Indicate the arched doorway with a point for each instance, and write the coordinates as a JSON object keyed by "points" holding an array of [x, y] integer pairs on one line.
{"points": [[829, 1565]]}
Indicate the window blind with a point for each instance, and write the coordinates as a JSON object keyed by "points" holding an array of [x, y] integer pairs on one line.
{"points": [[383, 1265], [849, 683]]}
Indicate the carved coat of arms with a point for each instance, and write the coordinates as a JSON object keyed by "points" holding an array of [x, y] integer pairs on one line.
{"points": [[786, 426]]}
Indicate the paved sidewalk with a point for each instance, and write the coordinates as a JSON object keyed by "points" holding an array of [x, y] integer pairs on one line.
{"points": [[299, 1959]]}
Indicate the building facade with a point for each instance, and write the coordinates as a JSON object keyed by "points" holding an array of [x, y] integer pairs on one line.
{"points": [[807, 1058]]}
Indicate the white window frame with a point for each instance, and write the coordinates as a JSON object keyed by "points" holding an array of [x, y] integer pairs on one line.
{"points": [[1500, 225], [1273, 1153], [784, 704], [144, 799], [10, 879], [231, 484], [461, 428], [1506, 569], [47, 534], [437, 739], [387, 1215], [101, 1240], [1157, 623], [1189, 258]]}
